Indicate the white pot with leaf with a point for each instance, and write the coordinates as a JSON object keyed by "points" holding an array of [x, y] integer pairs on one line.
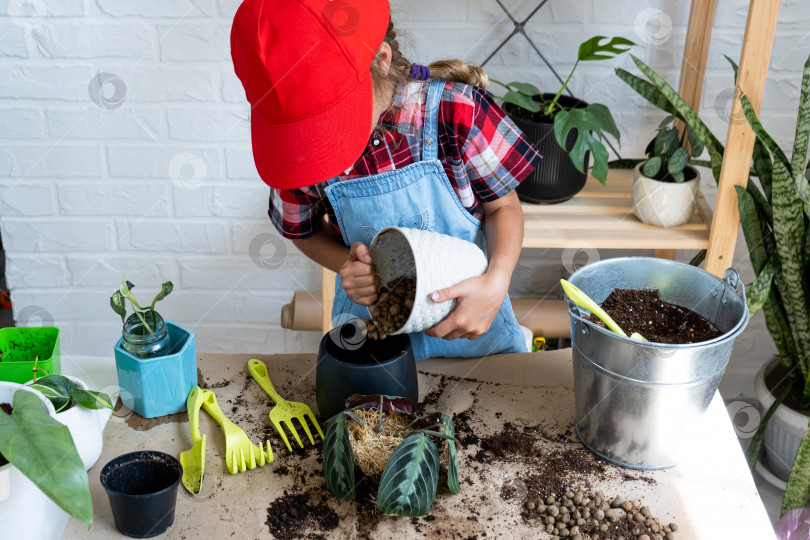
{"points": [[665, 186], [82, 410], [44, 480]]}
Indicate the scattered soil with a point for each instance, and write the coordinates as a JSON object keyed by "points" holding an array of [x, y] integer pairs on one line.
{"points": [[393, 307], [509, 442], [296, 516], [464, 432], [7, 408], [521, 462], [562, 469], [643, 311]]}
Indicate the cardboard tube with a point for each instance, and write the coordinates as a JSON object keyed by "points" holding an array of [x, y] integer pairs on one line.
{"points": [[547, 318], [304, 312]]}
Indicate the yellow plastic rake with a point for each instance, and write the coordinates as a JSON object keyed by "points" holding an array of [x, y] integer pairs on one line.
{"points": [[240, 453], [284, 411]]}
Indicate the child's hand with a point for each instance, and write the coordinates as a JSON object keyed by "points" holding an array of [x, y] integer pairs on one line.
{"points": [[479, 299], [358, 277]]}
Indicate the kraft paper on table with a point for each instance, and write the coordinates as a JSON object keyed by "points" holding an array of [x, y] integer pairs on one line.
{"points": [[710, 494]]}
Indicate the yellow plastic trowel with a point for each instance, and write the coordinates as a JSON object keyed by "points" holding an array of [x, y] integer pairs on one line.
{"points": [[193, 460], [584, 301]]}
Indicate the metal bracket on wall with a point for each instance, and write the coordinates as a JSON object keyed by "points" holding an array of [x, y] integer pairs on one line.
{"points": [[519, 29]]}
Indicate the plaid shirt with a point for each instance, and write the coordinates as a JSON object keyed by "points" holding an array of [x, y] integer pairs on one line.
{"points": [[483, 153]]}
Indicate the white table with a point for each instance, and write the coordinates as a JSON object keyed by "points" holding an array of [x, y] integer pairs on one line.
{"points": [[710, 494]]}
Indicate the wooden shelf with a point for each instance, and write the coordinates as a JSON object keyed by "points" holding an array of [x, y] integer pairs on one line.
{"points": [[602, 217]]}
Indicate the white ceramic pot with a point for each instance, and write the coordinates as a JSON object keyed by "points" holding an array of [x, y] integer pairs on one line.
{"points": [[784, 432], [436, 260], [26, 512], [664, 204], [85, 427]]}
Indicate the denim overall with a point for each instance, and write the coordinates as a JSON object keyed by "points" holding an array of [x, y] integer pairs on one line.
{"points": [[417, 196]]}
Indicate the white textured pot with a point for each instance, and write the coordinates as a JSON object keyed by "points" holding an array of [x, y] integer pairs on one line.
{"points": [[664, 204], [784, 431], [85, 427], [26, 512], [436, 260]]}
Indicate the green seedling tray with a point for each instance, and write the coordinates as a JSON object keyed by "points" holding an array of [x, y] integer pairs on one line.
{"points": [[19, 347]]}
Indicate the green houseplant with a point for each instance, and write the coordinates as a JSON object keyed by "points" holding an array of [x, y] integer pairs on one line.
{"points": [[665, 186], [578, 129], [775, 218], [41, 449], [388, 442]]}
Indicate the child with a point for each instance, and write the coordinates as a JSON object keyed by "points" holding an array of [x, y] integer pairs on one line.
{"points": [[345, 128]]}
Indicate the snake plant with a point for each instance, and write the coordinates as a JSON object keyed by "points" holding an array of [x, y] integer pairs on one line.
{"points": [[775, 218]]}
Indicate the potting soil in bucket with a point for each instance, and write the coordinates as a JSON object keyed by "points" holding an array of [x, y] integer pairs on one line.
{"points": [[636, 400]]}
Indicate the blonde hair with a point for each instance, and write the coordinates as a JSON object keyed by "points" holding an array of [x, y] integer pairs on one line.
{"points": [[400, 69]]}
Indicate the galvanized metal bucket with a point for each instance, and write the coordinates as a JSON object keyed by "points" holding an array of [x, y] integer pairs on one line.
{"points": [[635, 400]]}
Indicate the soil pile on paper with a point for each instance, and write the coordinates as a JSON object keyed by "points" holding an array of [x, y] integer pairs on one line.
{"points": [[295, 516], [643, 311]]}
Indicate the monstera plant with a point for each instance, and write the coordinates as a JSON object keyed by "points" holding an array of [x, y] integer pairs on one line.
{"points": [[579, 128], [382, 436]]}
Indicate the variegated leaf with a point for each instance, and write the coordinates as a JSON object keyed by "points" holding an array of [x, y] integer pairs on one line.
{"points": [[452, 461], [646, 90], [788, 227], [798, 485], [802, 136], [338, 458], [759, 291], [409, 480], [762, 135]]}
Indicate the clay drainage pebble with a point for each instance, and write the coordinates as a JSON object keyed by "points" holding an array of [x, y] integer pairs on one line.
{"points": [[582, 516], [393, 307]]}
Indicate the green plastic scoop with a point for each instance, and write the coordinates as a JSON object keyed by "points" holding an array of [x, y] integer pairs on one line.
{"points": [[584, 301]]}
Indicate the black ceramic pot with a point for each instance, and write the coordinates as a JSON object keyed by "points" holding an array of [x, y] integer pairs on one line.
{"points": [[142, 489], [348, 363], [555, 179]]}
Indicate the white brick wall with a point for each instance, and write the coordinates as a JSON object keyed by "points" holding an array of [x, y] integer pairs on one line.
{"points": [[151, 173]]}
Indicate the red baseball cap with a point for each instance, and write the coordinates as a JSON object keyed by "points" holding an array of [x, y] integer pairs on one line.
{"points": [[304, 65]]}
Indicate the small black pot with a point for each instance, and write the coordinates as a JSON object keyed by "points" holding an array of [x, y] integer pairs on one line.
{"points": [[142, 488], [555, 179], [348, 363]]}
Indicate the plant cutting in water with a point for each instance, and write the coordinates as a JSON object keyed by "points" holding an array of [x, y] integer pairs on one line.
{"points": [[387, 441], [590, 122], [119, 298]]}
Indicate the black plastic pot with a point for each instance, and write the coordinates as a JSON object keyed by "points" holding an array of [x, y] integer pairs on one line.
{"points": [[348, 363], [142, 488], [555, 179]]}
